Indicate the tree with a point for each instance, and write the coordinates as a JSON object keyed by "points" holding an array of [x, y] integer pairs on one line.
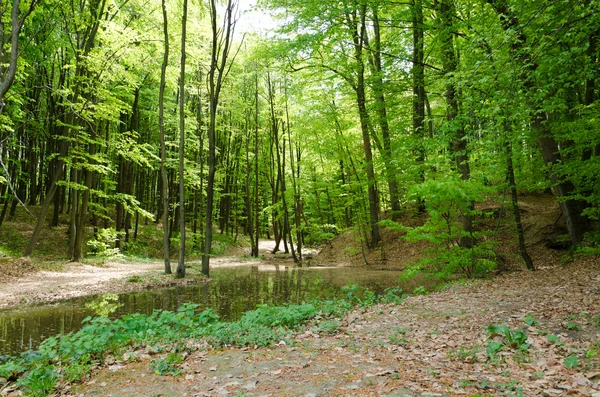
{"points": [[9, 45], [218, 70], [163, 151], [572, 209], [181, 263]]}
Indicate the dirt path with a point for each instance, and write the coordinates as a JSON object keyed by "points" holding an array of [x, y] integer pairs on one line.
{"points": [[78, 279], [430, 345]]}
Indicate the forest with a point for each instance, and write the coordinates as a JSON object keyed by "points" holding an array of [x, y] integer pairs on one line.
{"points": [[347, 114], [448, 140]]}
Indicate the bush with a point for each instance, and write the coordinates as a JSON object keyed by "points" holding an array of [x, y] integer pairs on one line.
{"points": [[103, 243], [446, 202], [319, 235]]}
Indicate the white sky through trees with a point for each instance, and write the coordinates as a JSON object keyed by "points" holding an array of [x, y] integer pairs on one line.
{"points": [[253, 19]]}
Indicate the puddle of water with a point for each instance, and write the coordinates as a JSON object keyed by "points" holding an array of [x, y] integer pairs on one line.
{"points": [[231, 292]]}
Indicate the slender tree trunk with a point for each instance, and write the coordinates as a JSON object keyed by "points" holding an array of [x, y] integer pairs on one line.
{"points": [[221, 42], [181, 263], [459, 142], [163, 149], [297, 200], [256, 181], [381, 110], [83, 213], [43, 211], [418, 75], [7, 75], [358, 38], [515, 206], [74, 209]]}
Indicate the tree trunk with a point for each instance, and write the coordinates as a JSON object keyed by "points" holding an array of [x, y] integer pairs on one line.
{"points": [[358, 38], [163, 149], [381, 109], [515, 206], [83, 213], [181, 263], [459, 140], [256, 182], [221, 42], [418, 75]]}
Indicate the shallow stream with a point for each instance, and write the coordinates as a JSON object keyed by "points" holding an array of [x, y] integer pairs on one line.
{"points": [[231, 292]]}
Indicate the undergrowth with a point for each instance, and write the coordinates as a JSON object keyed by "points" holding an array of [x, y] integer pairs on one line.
{"points": [[70, 358]]}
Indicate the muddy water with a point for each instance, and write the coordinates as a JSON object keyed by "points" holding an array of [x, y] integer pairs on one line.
{"points": [[231, 292]]}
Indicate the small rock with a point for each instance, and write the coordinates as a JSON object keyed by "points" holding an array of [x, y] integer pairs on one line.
{"points": [[581, 381], [250, 385], [3, 381], [189, 377]]}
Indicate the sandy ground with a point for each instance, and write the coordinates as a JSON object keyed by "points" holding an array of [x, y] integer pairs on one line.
{"points": [[76, 280]]}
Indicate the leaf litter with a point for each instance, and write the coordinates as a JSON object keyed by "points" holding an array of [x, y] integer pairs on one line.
{"points": [[430, 345]]}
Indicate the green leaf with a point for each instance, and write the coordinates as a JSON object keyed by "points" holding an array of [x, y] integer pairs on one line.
{"points": [[571, 362]]}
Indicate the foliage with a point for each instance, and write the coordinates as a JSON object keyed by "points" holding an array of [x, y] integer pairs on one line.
{"points": [[397, 336], [501, 336], [357, 295], [465, 353], [103, 243], [40, 381], [327, 327], [104, 305], [167, 365], [446, 203], [571, 361], [531, 321], [316, 236], [394, 296]]}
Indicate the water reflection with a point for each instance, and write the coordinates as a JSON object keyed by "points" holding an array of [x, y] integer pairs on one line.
{"points": [[231, 292]]}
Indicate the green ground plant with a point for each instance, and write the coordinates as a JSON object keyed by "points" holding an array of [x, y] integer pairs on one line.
{"points": [[168, 365], [465, 353], [501, 337]]}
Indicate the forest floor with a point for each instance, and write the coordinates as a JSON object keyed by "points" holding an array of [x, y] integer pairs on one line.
{"points": [[430, 345]]}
